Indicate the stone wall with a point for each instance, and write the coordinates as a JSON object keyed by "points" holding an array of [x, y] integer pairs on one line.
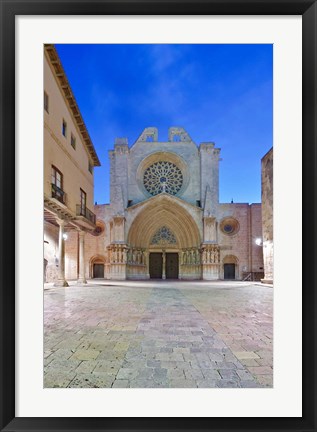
{"points": [[267, 214], [95, 246], [241, 242], [50, 252]]}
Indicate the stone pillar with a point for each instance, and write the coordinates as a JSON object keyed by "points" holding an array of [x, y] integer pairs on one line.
{"points": [[61, 281], [210, 261], [164, 265], [81, 275]]}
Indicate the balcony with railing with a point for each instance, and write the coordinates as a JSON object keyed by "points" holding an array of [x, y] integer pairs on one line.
{"points": [[86, 213], [58, 193]]}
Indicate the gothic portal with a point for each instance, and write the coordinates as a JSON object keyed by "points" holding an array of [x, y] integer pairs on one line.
{"points": [[164, 220]]}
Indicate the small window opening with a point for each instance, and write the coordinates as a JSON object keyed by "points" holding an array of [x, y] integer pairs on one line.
{"points": [[64, 128], [73, 141], [46, 101]]}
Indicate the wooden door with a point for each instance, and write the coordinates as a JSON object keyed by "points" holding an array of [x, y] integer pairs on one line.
{"points": [[229, 271], [156, 265], [172, 266], [99, 271]]}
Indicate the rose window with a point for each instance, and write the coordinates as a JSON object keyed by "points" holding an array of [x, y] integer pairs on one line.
{"points": [[163, 177]]}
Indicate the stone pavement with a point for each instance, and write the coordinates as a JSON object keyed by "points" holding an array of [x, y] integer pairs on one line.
{"points": [[148, 334]]}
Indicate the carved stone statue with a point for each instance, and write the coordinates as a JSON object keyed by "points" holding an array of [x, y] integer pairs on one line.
{"points": [[138, 257]]}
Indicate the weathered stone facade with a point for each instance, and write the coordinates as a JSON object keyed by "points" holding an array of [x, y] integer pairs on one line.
{"points": [[267, 214], [164, 219]]}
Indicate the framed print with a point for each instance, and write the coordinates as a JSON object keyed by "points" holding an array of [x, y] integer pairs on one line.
{"points": [[174, 329]]}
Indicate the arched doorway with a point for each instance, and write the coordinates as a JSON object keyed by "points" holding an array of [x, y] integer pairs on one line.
{"points": [[230, 267], [164, 228], [97, 267], [163, 261]]}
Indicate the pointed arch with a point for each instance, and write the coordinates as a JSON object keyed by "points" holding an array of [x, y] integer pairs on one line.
{"points": [[164, 210]]}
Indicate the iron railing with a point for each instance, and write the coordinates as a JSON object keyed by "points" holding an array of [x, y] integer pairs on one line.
{"points": [[252, 276], [86, 213], [58, 193]]}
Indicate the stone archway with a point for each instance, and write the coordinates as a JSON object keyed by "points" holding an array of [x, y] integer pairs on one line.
{"points": [[230, 267], [97, 268], [165, 211]]}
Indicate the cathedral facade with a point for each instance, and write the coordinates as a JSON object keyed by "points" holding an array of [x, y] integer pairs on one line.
{"points": [[164, 220]]}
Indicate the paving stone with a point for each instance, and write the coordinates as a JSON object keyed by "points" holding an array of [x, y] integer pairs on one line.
{"points": [[176, 373], [265, 380], [194, 374], [58, 379], [159, 336], [120, 383], [260, 370], [107, 366], [153, 363], [206, 383], [182, 383], [62, 354], [250, 362], [86, 367], [85, 354], [245, 355], [92, 380], [229, 374], [227, 383], [142, 383], [128, 373], [263, 362], [211, 374], [63, 365], [121, 346], [244, 375], [160, 373], [249, 384]]}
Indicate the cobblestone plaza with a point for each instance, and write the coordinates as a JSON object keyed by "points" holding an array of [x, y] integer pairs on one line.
{"points": [[152, 334]]}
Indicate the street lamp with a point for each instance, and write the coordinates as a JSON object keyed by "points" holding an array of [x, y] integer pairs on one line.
{"points": [[258, 241]]}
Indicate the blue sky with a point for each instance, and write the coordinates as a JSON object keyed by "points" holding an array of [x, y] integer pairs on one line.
{"points": [[219, 93]]}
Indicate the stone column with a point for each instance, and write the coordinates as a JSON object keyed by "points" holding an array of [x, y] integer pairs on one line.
{"points": [[164, 266], [61, 281], [81, 275]]}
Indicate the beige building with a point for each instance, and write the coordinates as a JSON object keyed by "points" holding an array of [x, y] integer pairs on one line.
{"points": [[69, 161], [267, 214], [164, 219]]}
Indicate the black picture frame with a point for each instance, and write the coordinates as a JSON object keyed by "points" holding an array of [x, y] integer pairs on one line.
{"points": [[9, 10]]}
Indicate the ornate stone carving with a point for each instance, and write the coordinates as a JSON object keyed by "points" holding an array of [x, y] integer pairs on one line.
{"points": [[161, 177], [150, 132], [117, 253], [190, 256], [136, 256], [163, 236], [210, 254], [178, 132]]}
